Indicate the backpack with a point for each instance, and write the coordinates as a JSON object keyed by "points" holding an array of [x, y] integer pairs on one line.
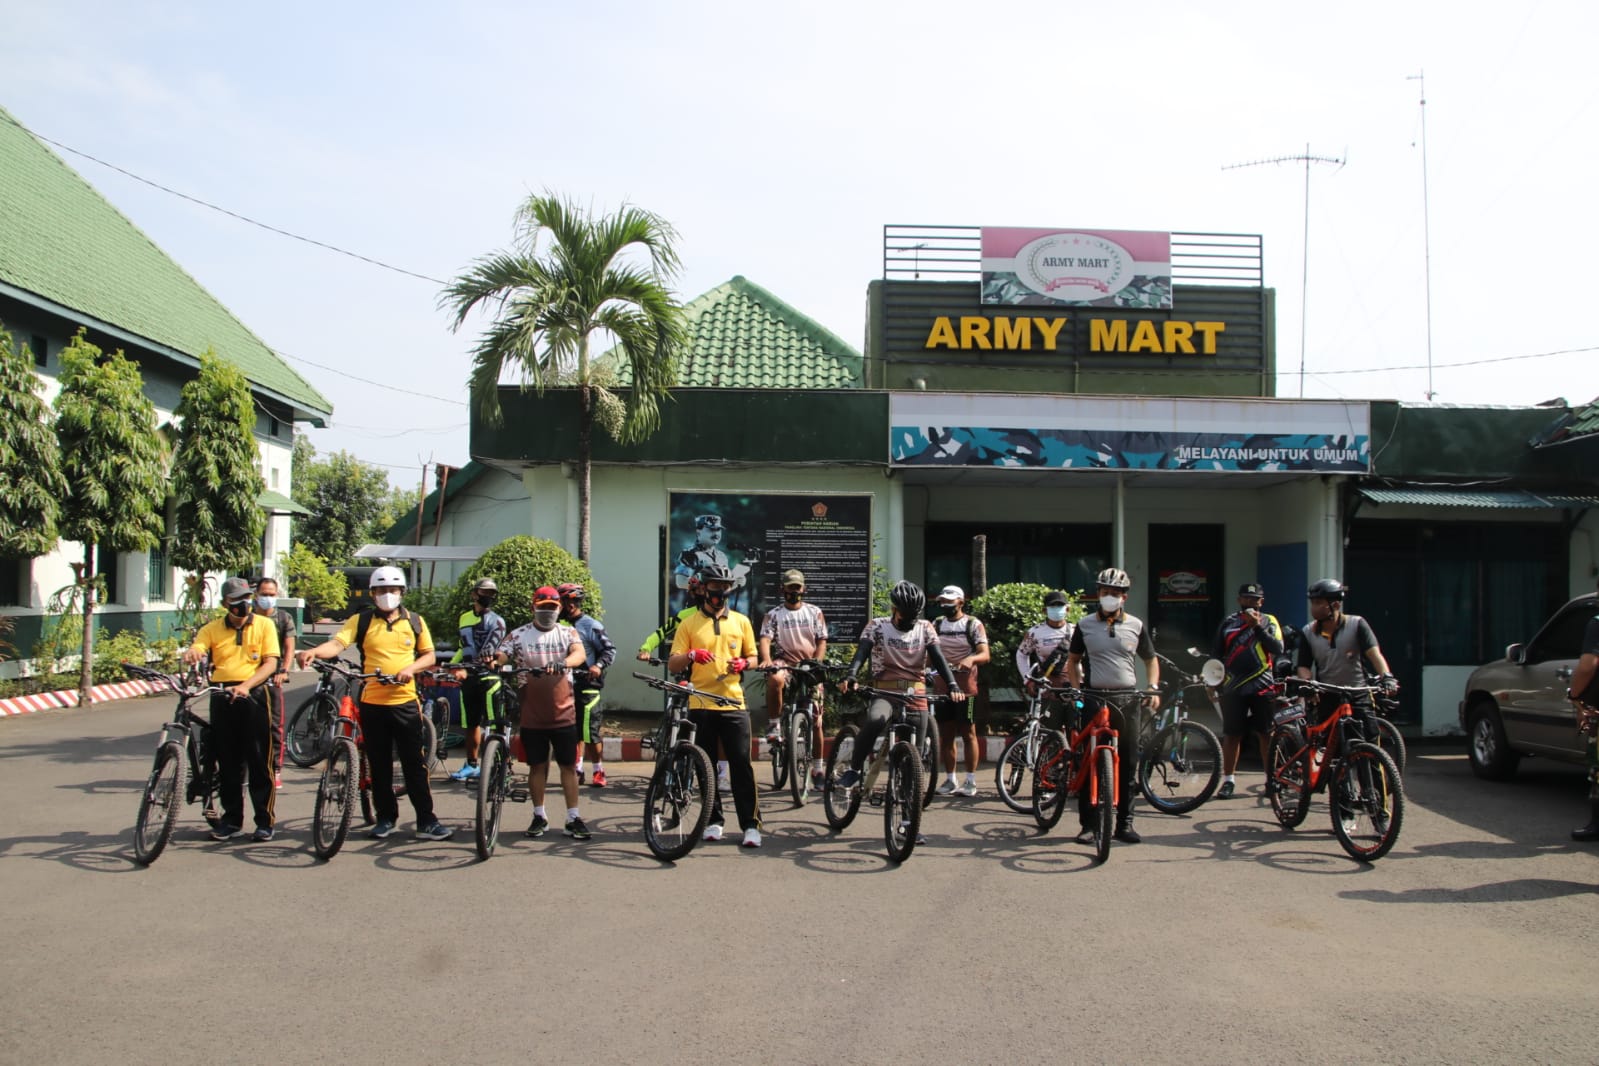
{"points": [[364, 623], [971, 631]]}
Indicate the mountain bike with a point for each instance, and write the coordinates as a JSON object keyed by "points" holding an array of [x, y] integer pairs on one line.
{"points": [[679, 797], [907, 749], [1083, 756], [1020, 754], [495, 757], [309, 736], [794, 749], [1366, 788], [182, 756], [1180, 761]]}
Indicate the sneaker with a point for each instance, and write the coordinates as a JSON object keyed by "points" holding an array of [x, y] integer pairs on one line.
{"points": [[849, 778], [724, 785], [540, 824], [581, 774], [225, 831], [712, 832], [381, 830], [435, 830], [263, 834], [575, 827], [818, 779], [968, 788], [467, 772], [277, 780], [1225, 791], [599, 778], [752, 838], [1128, 835], [1084, 834], [948, 788]]}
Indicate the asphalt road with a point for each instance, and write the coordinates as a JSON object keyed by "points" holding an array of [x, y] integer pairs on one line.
{"points": [[1222, 938]]}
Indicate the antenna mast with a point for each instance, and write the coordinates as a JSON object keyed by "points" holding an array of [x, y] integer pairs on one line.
{"points": [[1426, 224]]}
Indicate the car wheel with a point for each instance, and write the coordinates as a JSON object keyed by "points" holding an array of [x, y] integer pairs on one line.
{"points": [[1490, 752]]}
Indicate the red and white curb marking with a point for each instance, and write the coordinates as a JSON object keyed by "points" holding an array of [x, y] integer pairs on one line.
{"points": [[49, 701], [631, 749]]}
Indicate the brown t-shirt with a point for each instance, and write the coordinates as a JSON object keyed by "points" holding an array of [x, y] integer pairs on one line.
{"points": [[547, 701]]}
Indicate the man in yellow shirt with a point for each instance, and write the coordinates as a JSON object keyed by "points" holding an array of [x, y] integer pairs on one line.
{"points": [[244, 652], [718, 644], [395, 642]]}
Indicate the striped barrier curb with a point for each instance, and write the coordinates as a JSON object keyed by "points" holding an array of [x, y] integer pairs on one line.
{"points": [[49, 701], [631, 749]]}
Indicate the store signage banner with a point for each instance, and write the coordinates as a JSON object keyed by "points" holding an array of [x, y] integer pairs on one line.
{"points": [[1077, 268], [1128, 433], [827, 536]]}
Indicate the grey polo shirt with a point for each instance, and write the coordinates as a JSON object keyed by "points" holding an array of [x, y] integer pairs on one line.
{"points": [[1110, 649], [1342, 659]]}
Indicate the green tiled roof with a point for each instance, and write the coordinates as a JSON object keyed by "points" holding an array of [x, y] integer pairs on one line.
{"points": [[62, 241], [744, 337]]}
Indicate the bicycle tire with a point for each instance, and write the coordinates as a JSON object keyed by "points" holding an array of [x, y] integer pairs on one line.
{"points": [[840, 804], [430, 748], [309, 736], [930, 762], [1368, 786], [798, 755], [672, 824], [1010, 774], [1288, 772], [1392, 741], [775, 754], [492, 785], [902, 807], [1181, 768], [1105, 810], [161, 799], [335, 799], [1050, 776]]}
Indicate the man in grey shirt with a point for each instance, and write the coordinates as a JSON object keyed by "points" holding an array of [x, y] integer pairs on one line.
{"points": [[1337, 647]]}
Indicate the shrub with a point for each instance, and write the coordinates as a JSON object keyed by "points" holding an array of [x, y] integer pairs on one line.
{"points": [[519, 565], [8, 626], [1008, 612], [433, 604], [114, 649], [310, 579]]}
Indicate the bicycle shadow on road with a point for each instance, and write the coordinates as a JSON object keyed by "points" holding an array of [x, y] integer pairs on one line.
{"points": [[106, 788], [1523, 890], [81, 748], [93, 852]]}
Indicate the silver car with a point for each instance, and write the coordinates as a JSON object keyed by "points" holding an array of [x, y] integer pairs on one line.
{"points": [[1517, 705]]}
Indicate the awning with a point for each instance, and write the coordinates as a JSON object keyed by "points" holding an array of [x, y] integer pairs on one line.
{"points": [[1484, 499], [277, 503], [422, 553]]}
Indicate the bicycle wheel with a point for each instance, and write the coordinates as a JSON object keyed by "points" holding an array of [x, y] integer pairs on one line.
{"points": [[838, 802], [1389, 739], [430, 748], [1010, 776], [310, 732], [335, 799], [158, 807], [677, 802], [798, 755], [495, 762], [1368, 802], [1105, 810], [1287, 775], [930, 762], [1180, 768], [902, 806], [777, 754], [1051, 771]]}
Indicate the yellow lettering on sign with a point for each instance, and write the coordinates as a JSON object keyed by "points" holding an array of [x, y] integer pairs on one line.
{"points": [[1177, 334], [1210, 329], [1049, 328], [1015, 333], [1106, 336], [974, 332], [1145, 339], [942, 335]]}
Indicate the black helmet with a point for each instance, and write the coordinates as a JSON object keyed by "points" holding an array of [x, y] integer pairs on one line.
{"points": [[1328, 588], [715, 572], [908, 597]]}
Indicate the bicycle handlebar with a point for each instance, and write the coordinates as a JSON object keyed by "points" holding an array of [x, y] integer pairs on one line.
{"points": [[683, 688], [900, 694]]}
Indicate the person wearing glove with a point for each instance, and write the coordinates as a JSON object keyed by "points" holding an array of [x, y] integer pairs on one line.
{"points": [[715, 646]]}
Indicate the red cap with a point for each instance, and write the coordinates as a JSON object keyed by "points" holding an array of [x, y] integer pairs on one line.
{"points": [[544, 594]]}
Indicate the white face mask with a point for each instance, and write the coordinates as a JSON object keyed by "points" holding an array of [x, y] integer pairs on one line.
{"points": [[1056, 614], [1110, 604], [386, 601]]}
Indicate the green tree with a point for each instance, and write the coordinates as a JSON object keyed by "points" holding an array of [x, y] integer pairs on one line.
{"points": [[114, 465], [1008, 612], [519, 565], [216, 474], [346, 498], [309, 578], [30, 461], [550, 301]]}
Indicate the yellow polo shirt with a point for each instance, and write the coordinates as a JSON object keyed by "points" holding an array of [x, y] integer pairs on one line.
{"points": [[236, 654], [728, 637], [390, 648]]}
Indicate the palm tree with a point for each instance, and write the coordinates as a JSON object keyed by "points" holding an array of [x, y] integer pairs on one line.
{"points": [[548, 303]]}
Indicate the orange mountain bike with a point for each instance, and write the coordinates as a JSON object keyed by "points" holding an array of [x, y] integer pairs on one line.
{"points": [[1367, 792], [1082, 756]]}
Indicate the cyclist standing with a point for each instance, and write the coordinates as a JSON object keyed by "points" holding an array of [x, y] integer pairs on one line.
{"points": [[1039, 643], [668, 629], [1338, 648], [1247, 643], [481, 629], [964, 642], [266, 605], [244, 654], [1584, 692], [600, 653], [797, 630], [548, 706], [390, 640], [717, 645], [1103, 654]]}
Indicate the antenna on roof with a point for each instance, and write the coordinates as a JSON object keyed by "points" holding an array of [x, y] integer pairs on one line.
{"points": [[916, 261], [1426, 227]]}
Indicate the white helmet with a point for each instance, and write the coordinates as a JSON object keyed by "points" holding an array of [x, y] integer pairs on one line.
{"points": [[387, 577]]}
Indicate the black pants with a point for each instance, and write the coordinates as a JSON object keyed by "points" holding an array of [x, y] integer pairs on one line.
{"points": [[732, 730], [241, 737], [386, 729], [1125, 719], [878, 714]]}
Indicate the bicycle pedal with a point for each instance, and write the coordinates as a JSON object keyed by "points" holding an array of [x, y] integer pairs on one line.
{"points": [[519, 795], [875, 799], [647, 743]]}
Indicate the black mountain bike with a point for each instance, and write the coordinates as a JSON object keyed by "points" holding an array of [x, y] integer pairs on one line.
{"points": [[183, 758], [907, 751], [1180, 759], [309, 737], [494, 783], [794, 750], [678, 799]]}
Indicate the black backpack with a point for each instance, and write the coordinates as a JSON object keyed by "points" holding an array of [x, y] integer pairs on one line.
{"points": [[364, 623]]}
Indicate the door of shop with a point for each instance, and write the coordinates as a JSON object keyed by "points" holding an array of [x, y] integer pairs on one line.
{"points": [[1184, 602]]}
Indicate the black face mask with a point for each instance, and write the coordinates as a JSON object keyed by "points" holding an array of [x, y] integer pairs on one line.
{"points": [[240, 610], [950, 610], [713, 601], [792, 598], [902, 624]]}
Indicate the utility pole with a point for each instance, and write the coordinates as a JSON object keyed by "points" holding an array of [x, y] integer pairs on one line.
{"points": [[1306, 158], [1426, 224]]}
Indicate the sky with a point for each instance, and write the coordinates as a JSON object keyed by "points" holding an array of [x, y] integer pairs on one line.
{"points": [[779, 139]]}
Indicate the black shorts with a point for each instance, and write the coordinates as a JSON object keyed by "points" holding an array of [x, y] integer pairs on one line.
{"points": [[961, 714], [590, 715], [1246, 714], [537, 744], [476, 693]]}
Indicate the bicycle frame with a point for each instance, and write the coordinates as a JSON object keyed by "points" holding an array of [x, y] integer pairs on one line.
{"points": [[1083, 745], [899, 727], [1328, 737]]}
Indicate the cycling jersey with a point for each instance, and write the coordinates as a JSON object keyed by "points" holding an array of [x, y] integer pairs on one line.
{"points": [[727, 636], [480, 636], [391, 646], [547, 701], [665, 633], [795, 632], [1341, 658], [1248, 651], [1039, 643], [1110, 648], [597, 648], [899, 656], [236, 654]]}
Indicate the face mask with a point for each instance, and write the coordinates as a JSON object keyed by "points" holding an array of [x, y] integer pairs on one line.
{"points": [[714, 598], [1110, 604], [902, 624], [792, 598], [948, 610], [386, 601], [483, 604], [240, 609], [1056, 614], [545, 619], [266, 603]]}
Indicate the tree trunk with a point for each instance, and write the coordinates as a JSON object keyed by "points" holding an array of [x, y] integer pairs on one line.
{"points": [[86, 668], [585, 449]]}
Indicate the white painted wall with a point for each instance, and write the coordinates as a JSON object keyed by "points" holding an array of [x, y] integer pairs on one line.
{"points": [[1441, 689]]}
